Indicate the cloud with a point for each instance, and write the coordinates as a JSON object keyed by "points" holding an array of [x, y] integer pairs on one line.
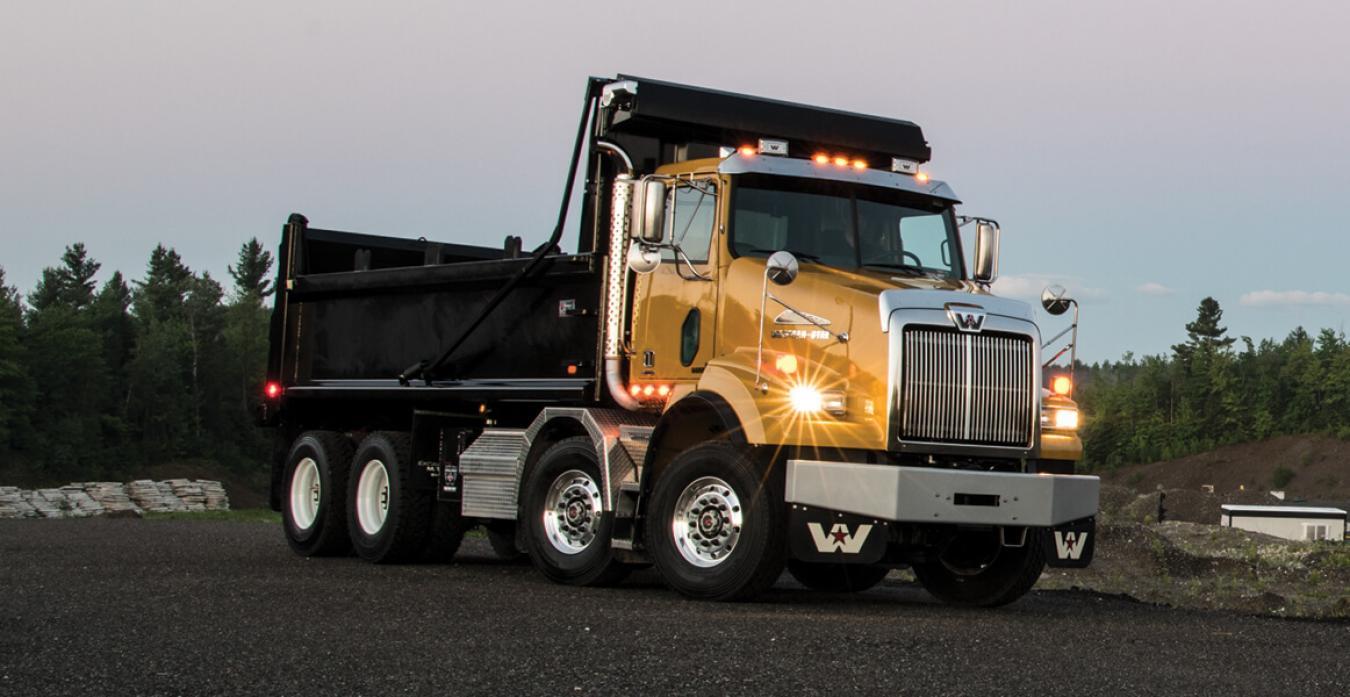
{"points": [[1279, 298], [1029, 287], [1155, 289]]}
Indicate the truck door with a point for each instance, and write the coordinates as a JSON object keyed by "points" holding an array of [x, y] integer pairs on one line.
{"points": [[674, 307]]}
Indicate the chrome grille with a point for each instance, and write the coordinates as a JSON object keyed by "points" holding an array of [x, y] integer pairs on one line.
{"points": [[967, 388]]}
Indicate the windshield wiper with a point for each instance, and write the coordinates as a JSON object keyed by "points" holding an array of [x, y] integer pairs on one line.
{"points": [[908, 268], [802, 255]]}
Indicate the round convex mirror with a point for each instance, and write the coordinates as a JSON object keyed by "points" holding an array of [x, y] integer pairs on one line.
{"points": [[1055, 299], [782, 268]]}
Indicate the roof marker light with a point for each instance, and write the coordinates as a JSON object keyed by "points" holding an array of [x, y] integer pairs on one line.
{"points": [[821, 158], [841, 160], [921, 177], [859, 164], [747, 151], [770, 146], [904, 166]]}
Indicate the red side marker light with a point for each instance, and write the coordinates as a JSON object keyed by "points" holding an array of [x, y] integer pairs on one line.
{"points": [[272, 390]]}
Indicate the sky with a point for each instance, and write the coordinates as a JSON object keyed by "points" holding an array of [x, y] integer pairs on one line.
{"points": [[1143, 154]]}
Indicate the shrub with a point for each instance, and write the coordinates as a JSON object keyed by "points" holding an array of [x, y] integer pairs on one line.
{"points": [[1282, 476]]}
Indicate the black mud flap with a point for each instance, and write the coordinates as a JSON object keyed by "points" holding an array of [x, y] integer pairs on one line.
{"points": [[819, 535], [1071, 544]]}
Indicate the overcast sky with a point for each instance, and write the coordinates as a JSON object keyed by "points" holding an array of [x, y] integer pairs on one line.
{"points": [[1145, 154]]}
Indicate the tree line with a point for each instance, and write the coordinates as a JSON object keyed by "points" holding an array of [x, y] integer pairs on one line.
{"points": [[1208, 392], [97, 380]]}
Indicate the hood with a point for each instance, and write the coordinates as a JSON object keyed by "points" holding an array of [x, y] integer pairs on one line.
{"points": [[915, 299]]}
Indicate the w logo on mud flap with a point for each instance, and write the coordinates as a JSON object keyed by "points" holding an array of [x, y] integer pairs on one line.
{"points": [[838, 538], [1070, 545]]}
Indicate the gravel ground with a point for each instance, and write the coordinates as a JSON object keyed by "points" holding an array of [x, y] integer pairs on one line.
{"points": [[220, 607]]}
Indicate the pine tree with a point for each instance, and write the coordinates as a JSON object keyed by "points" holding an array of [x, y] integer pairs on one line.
{"points": [[15, 385], [167, 282], [71, 284], [251, 271], [1205, 332]]}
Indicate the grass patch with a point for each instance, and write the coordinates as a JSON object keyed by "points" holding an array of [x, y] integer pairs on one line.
{"points": [[240, 515]]}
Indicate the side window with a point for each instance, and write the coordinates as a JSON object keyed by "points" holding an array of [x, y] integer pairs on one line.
{"points": [[691, 221]]}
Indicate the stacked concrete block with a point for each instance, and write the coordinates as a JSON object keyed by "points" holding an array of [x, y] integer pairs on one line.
{"points": [[85, 499]]}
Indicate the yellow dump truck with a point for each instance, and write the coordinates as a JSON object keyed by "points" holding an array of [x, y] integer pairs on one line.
{"points": [[770, 350]]}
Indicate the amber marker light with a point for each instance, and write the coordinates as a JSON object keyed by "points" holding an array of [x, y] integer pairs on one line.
{"points": [[648, 390], [635, 390], [747, 151], [786, 364], [663, 391], [921, 177], [841, 161], [1061, 385], [821, 158], [859, 164]]}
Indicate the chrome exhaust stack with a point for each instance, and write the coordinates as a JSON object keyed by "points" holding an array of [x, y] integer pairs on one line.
{"points": [[616, 278]]}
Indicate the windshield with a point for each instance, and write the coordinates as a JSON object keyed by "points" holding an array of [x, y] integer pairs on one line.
{"points": [[844, 225]]}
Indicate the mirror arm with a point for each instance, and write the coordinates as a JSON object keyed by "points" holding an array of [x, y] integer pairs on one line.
{"points": [[681, 256]]}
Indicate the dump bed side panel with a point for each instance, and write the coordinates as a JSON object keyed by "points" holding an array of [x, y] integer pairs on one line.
{"points": [[374, 325]]}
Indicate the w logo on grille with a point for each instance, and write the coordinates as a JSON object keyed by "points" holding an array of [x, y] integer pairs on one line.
{"points": [[967, 319]]}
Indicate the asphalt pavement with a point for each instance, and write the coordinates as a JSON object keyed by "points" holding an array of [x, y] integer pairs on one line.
{"points": [[104, 606]]}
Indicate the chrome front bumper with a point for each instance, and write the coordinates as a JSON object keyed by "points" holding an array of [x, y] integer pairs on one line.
{"points": [[931, 495]]}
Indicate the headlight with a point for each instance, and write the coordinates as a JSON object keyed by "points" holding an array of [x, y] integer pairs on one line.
{"points": [[809, 400], [1060, 419], [805, 399]]}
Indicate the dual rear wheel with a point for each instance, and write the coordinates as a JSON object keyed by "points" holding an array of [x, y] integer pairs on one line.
{"points": [[363, 499]]}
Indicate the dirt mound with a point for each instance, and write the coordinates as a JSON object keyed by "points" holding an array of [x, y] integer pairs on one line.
{"points": [[1193, 565], [1306, 468]]}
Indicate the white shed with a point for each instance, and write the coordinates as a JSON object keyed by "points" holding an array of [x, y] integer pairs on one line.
{"points": [[1289, 522]]}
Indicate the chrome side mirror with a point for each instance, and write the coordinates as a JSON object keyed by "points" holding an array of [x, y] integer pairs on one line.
{"points": [[649, 211], [1055, 300], [986, 251], [782, 268]]}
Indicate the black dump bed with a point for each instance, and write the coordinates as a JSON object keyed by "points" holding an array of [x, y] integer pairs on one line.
{"points": [[357, 311]]}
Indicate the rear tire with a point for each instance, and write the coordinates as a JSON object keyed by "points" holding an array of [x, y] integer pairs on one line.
{"points": [[387, 515], [716, 524], [836, 578], [313, 513], [567, 532], [1006, 576], [445, 533]]}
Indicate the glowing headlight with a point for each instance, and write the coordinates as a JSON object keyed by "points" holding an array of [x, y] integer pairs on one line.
{"points": [[808, 400], [1060, 419], [805, 399]]}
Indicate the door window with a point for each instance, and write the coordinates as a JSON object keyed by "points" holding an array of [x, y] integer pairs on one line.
{"points": [[691, 212]]}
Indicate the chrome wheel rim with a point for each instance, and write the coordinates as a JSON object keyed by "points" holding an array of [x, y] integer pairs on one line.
{"points": [[372, 497], [306, 489], [707, 522], [572, 509]]}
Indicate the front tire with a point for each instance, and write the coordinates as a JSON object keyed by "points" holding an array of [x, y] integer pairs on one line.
{"points": [[567, 530], [836, 578], [388, 516], [976, 570], [715, 527], [314, 515]]}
